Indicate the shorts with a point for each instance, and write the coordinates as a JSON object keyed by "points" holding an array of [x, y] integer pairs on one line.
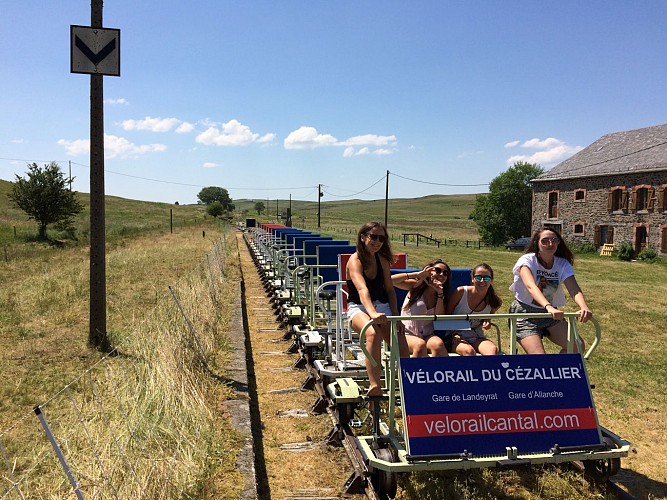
{"points": [[354, 309], [533, 326]]}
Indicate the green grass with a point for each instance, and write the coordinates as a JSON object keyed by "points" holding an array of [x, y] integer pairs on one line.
{"points": [[628, 298]]}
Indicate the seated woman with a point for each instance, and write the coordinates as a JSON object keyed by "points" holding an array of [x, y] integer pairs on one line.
{"points": [[538, 276], [371, 295], [478, 298], [427, 295]]}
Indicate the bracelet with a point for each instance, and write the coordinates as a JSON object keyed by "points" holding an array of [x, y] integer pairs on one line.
{"points": [[548, 304], [441, 296]]}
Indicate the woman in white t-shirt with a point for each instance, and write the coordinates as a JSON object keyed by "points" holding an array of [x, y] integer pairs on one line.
{"points": [[538, 275]]}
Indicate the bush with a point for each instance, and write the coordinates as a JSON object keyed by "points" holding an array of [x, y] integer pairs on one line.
{"points": [[648, 255], [625, 251], [584, 248]]}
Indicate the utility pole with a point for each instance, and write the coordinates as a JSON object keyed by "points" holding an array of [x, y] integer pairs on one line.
{"points": [[386, 201], [97, 336], [319, 197]]}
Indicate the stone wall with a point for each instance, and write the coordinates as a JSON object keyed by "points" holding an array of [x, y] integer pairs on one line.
{"points": [[592, 212]]}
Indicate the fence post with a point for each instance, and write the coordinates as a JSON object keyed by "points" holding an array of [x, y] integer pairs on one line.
{"points": [[59, 453]]}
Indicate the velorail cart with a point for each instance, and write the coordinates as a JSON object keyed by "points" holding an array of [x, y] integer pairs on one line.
{"points": [[468, 412]]}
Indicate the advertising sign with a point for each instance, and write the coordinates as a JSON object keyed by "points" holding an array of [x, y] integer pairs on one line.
{"points": [[483, 404]]}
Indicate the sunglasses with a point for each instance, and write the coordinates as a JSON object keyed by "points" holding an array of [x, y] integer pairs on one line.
{"points": [[481, 277], [546, 241], [377, 237], [439, 271]]}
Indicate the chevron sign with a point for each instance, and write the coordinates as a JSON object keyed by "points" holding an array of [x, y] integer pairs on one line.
{"points": [[94, 51]]}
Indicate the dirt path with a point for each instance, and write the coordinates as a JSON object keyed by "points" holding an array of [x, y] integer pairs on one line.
{"points": [[296, 460]]}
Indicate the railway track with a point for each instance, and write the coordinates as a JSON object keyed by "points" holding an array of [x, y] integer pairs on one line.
{"points": [[295, 416], [291, 446]]}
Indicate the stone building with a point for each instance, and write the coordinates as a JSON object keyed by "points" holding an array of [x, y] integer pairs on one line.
{"points": [[612, 191]]}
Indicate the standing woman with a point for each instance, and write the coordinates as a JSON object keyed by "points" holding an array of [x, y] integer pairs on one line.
{"points": [[372, 296], [427, 295], [538, 275], [478, 298]]}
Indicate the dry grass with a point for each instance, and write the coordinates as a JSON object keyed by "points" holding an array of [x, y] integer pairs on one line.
{"points": [[142, 424]]}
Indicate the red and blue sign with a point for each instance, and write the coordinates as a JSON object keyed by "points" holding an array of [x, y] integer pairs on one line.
{"points": [[483, 404]]}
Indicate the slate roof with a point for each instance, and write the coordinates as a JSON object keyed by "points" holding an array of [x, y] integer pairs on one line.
{"points": [[643, 149]]}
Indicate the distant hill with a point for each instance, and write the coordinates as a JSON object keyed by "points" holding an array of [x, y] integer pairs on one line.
{"points": [[444, 216]]}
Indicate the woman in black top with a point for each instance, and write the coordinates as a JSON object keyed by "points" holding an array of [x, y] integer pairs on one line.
{"points": [[372, 295]]}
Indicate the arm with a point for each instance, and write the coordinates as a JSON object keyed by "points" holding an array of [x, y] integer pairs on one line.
{"points": [[407, 281], [526, 276], [486, 324], [355, 273], [575, 292], [389, 286], [454, 300]]}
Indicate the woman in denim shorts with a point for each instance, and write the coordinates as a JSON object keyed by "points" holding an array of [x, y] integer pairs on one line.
{"points": [[538, 275], [372, 296]]}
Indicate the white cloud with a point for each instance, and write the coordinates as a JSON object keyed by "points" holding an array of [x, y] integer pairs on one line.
{"points": [[122, 100], [369, 139], [308, 138], [114, 146], [266, 138], [210, 164], [19, 141], [184, 128], [152, 124], [233, 133], [551, 151]]}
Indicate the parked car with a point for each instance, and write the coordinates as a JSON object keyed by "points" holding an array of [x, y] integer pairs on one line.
{"points": [[518, 244]]}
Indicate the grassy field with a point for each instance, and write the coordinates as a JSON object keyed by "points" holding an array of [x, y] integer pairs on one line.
{"points": [[43, 323]]}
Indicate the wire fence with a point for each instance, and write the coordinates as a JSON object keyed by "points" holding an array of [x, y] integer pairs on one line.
{"points": [[133, 425]]}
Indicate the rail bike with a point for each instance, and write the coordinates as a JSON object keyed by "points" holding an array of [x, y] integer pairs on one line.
{"points": [[435, 413]]}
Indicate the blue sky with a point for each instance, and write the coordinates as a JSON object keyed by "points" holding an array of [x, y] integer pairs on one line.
{"points": [[271, 98]]}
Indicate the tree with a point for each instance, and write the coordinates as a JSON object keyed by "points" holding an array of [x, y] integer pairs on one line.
{"points": [[215, 209], [259, 207], [505, 213], [210, 194], [45, 197]]}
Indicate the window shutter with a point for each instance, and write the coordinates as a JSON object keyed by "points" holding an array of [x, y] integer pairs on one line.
{"points": [[661, 199], [610, 200], [651, 199], [596, 236], [610, 233], [624, 203], [633, 201]]}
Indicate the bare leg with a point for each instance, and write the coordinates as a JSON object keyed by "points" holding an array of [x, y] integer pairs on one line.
{"points": [[486, 348], [436, 346], [558, 335], [416, 346], [374, 347], [532, 344]]}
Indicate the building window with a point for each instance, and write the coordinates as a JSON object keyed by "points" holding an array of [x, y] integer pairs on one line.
{"points": [[603, 234], [553, 205], [578, 229], [662, 198], [580, 195], [643, 198], [617, 199]]}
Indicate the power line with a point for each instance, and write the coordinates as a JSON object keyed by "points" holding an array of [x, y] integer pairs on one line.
{"points": [[438, 183], [359, 192]]}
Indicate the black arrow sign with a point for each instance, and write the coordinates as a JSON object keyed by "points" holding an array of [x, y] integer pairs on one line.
{"points": [[95, 58]]}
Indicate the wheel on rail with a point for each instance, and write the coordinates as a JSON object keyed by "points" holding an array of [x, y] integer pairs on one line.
{"points": [[384, 482], [601, 470], [345, 412]]}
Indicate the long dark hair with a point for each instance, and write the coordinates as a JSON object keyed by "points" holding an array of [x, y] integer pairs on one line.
{"points": [[418, 291], [385, 249], [491, 296], [561, 250]]}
